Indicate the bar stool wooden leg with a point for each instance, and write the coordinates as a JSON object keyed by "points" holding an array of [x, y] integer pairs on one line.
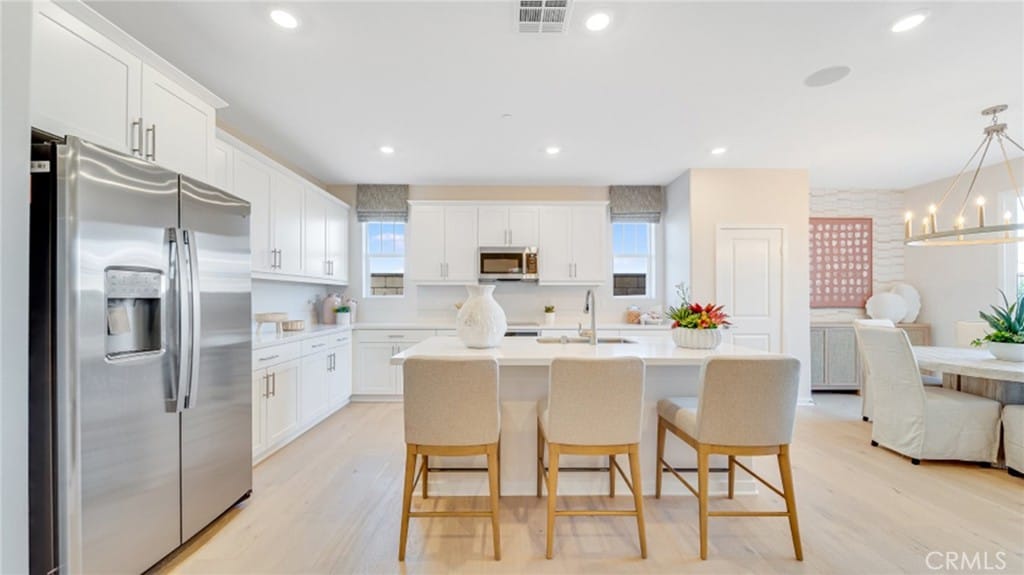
{"points": [[424, 470], [540, 459], [611, 475], [786, 472], [638, 499], [661, 457], [410, 471], [702, 490], [492, 476], [552, 495], [732, 476]]}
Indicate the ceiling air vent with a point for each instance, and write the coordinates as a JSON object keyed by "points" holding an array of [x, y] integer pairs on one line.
{"points": [[543, 16]]}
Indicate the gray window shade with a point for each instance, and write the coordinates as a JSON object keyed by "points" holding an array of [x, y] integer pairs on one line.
{"points": [[382, 203], [636, 203]]}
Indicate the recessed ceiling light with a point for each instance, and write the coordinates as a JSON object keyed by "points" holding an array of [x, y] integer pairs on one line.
{"points": [[598, 21], [387, 150], [827, 76], [910, 21], [719, 150], [552, 150], [284, 19]]}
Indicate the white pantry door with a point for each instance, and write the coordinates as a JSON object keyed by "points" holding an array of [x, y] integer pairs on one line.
{"points": [[748, 270]]}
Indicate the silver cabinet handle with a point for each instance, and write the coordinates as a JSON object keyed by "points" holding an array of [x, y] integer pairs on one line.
{"points": [[273, 386], [395, 336], [269, 357], [137, 138], [151, 142], [318, 345], [266, 385]]}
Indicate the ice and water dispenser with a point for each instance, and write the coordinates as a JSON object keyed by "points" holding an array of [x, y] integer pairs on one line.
{"points": [[134, 299]]}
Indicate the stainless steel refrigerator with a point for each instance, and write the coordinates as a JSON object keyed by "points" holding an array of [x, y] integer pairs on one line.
{"points": [[140, 344]]}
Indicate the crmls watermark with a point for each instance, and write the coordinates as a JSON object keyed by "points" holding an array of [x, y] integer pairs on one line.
{"points": [[965, 561]]}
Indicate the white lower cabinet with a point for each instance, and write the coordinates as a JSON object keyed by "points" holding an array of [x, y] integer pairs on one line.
{"points": [[376, 378], [297, 385]]}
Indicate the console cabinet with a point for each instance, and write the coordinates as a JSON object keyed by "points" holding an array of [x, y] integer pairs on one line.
{"points": [[835, 362]]}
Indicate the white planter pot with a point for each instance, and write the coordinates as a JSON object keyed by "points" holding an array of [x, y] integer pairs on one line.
{"points": [[481, 322], [343, 318], [697, 338], [549, 318], [1007, 351]]}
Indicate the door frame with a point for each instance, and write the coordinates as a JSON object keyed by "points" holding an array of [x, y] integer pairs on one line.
{"points": [[783, 260]]}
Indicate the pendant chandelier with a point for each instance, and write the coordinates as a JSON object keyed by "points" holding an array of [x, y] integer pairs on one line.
{"points": [[1003, 230]]}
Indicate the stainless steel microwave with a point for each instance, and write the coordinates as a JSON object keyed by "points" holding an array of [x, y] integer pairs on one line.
{"points": [[508, 264]]}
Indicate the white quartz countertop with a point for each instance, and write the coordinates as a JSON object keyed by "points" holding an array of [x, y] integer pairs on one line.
{"points": [[267, 337], [527, 352], [435, 325], [970, 362]]}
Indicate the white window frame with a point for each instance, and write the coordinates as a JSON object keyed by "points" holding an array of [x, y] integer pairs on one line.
{"points": [[367, 279], [654, 231]]}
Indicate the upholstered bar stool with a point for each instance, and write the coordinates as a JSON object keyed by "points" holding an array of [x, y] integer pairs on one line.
{"points": [[594, 407], [451, 409], [746, 407]]}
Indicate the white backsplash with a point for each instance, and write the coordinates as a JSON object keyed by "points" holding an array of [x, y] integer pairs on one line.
{"points": [[298, 300]]}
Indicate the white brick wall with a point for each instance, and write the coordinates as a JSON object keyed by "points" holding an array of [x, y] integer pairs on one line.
{"points": [[885, 208]]}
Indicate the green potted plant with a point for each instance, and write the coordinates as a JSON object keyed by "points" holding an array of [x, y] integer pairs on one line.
{"points": [[549, 315], [343, 315], [1006, 341], [694, 325]]}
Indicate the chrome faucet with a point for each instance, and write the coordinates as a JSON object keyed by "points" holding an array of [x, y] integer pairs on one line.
{"points": [[590, 306]]}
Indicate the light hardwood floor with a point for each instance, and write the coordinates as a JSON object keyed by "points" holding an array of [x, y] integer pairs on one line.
{"points": [[331, 502]]}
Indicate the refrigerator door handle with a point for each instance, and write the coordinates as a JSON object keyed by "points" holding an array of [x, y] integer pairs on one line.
{"points": [[195, 318], [180, 319]]}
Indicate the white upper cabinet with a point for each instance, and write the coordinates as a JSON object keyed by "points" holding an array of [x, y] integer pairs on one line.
{"points": [[507, 226], [222, 168], [337, 240], [86, 84], [252, 183], [316, 234], [178, 128], [83, 83], [572, 244], [286, 199], [444, 249], [426, 252], [460, 250]]}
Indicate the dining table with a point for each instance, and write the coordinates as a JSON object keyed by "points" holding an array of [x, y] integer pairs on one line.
{"points": [[974, 371]]}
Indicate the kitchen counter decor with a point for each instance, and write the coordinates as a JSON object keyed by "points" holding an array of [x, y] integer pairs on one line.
{"points": [[696, 326], [481, 322], [1006, 341]]}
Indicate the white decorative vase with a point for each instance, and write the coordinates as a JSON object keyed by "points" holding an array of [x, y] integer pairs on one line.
{"points": [[910, 297], [697, 338], [481, 321], [888, 306], [549, 318], [1007, 351]]}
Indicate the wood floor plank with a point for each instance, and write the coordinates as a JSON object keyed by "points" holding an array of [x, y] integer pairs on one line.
{"points": [[331, 502]]}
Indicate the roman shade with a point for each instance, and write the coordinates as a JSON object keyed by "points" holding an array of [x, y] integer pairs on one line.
{"points": [[382, 202], [636, 203]]}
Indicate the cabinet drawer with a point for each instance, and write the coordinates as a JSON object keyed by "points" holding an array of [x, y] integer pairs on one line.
{"points": [[395, 336], [315, 344], [340, 339], [269, 356]]}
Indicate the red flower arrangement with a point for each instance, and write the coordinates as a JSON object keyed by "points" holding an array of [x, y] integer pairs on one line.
{"points": [[696, 316]]}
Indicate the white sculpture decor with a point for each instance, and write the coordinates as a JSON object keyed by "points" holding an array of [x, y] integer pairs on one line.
{"points": [[888, 306], [911, 297], [481, 322]]}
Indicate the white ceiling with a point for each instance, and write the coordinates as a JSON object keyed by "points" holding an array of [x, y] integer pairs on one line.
{"points": [[639, 103]]}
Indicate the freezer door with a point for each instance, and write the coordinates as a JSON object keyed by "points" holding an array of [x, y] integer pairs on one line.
{"points": [[118, 434], [216, 424]]}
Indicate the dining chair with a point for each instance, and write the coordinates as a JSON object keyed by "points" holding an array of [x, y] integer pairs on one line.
{"points": [[919, 421], [451, 409], [865, 386], [1013, 439], [594, 407], [746, 407]]}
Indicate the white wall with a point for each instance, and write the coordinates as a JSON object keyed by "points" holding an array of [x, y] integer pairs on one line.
{"points": [[298, 300], [956, 282], [757, 197], [885, 208], [15, 136], [676, 225]]}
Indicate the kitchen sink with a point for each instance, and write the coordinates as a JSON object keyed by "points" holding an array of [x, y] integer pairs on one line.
{"points": [[567, 339]]}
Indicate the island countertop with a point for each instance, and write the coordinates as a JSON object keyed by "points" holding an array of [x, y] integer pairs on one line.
{"points": [[528, 352]]}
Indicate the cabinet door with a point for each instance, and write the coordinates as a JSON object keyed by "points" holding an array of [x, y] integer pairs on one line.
{"points": [[396, 370], [426, 250], [460, 250], [82, 83], [260, 387], [282, 417], [253, 183], [315, 225], [286, 196], [339, 378], [376, 375], [337, 240], [554, 254], [179, 128], [589, 228], [493, 226], [841, 358], [522, 226], [817, 358], [313, 386], [222, 170]]}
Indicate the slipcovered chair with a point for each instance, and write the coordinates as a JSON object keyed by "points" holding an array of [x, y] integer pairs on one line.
{"points": [[1013, 438], [594, 407], [865, 387], [746, 408], [451, 409], [918, 421]]}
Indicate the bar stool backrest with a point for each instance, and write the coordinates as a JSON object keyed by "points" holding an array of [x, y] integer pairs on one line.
{"points": [[748, 401], [451, 402], [596, 401]]}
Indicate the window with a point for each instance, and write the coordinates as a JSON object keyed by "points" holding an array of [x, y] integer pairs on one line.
{"points": [[633, 265], [385, 258]]}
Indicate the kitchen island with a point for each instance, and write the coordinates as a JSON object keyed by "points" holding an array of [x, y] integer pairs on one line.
{"points": [[523, 371]]}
